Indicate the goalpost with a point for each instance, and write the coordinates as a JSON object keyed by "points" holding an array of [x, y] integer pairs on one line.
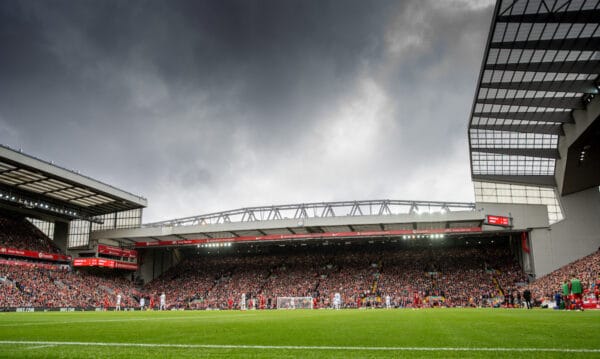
{"points": [[294, 303]]}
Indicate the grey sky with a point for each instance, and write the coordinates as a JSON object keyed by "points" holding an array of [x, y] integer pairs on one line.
{"points": [[212, 105]]}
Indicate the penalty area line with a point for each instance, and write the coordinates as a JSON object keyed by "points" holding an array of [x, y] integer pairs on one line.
{"points": [[296, 347]]}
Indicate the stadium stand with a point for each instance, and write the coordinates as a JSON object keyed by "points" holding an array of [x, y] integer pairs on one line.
{"points": [[446, 276], [587, 269], [473, 276], [29, 284], [363, 274], [19, 233]]}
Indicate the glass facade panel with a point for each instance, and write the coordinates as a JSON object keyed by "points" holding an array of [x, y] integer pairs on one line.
{"points": [[496, 193], [44, 226], [79, 231]]}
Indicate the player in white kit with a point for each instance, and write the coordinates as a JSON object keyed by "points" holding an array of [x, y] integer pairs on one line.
{"points": [[337, 300], [243, 302], [163, 302], [388, 303], [142, 303], [118, 306]]}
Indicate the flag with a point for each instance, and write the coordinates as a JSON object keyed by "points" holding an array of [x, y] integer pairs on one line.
{"points": [[524, 244]]}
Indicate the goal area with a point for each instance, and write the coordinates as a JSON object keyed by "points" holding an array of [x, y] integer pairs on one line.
{"points": [[294, 303]]}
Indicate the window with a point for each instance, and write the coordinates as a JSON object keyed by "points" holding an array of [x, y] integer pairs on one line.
{"points": [[519, 194]]}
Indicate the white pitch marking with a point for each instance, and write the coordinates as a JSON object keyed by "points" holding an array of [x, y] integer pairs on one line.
{"points": [[110, 320], [41, 346], [299, 347]]}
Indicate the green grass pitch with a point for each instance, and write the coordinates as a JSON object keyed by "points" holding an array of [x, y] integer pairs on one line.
{"points": [[442, 333]]}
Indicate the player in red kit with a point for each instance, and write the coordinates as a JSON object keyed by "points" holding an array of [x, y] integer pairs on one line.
{"points": [[230, 303], [416, 300]]}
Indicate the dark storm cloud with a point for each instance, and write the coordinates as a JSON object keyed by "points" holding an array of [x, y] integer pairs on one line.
{"points": [[209, 105]]}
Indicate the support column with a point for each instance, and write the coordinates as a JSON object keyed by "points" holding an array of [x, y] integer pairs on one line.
{"points": [[61, 235]]}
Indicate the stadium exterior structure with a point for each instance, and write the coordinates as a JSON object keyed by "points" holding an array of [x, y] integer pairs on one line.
{"points": [[63, 203], [162, 243], [534, 130]]}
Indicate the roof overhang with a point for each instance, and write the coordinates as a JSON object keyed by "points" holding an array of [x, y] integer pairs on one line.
{"points": [[541, 64], [29, 183], [402, 226], [301, 228]]}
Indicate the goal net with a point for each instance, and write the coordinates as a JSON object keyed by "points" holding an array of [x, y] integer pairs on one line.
{"points": [[294, 303]]}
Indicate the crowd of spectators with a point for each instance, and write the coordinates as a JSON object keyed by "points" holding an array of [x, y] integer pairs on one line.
{"points": [[19, 233], [362, 274], [453, 276], [53, 286], [31, 283], [587, 269]]}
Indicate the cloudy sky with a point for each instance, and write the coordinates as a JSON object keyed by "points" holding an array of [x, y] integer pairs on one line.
{"points": [[211, 105]]}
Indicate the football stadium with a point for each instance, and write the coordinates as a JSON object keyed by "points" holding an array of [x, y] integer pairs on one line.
{"points": [[514, 274]]}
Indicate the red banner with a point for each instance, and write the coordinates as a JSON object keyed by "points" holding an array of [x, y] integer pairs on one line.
{"points": [[524, 244], [281, 237], [115, 251], [34, 254], [591, 303], [104, 263]]}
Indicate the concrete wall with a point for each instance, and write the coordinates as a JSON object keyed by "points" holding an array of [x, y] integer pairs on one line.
{"points": [[157, 261], [582, 120], [576, 236], [525, 216]]}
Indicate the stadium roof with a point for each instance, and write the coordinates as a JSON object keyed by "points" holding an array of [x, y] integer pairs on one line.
{"points": [[542, 61], [307, 220], [333, 221], [33, 184], [318, 210]]}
